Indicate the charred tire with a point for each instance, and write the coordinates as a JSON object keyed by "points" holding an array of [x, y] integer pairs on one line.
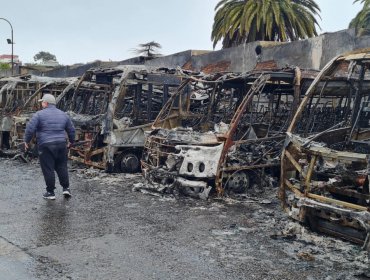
{"points": [[128, 162], [238, 182]]}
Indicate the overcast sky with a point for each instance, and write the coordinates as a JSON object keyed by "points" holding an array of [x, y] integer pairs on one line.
{"points": [[80, 31]]}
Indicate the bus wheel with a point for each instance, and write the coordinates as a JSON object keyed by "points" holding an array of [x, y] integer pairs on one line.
{"points": [[128, 162], [239, 182]]}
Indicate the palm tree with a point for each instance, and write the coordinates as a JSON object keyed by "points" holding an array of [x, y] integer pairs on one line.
{"points": [[362, 20], [149, 50], [239, 21]]}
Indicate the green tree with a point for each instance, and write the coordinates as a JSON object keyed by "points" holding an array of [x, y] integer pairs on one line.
{"points": [[44, 56], [5, 66], [149, 49], [239, 21], [362, 20]]}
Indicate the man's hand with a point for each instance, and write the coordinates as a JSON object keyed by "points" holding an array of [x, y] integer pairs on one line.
{"points": [[26, 146]]}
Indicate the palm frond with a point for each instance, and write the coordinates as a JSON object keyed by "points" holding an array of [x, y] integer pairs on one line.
{"points": [[239, 21]]}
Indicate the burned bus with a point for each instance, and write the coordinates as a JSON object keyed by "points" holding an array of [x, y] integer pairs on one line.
{"points": [[111, 109], [224, 130], [325, 161], [19, 100]]}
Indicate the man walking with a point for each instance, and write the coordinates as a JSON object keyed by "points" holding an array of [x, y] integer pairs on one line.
{"points": [[50, 125]]}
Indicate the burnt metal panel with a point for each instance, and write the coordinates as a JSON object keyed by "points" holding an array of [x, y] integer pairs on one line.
{"points": [[165, 79]]}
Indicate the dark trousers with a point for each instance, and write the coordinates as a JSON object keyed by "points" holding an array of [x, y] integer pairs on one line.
{"points": [[5, 140], [53, 157]]}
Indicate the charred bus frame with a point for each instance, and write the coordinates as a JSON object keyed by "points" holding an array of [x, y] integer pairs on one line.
{"points": [[19, 100], [111, 108], [325, 161], [221, 130]]}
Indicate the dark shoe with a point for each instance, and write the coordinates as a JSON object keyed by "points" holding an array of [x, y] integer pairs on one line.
{"points": [[67, 193], [49, 195]]}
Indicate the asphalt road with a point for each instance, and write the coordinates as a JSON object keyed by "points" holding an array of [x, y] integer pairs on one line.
{"points": [[108, 231]]}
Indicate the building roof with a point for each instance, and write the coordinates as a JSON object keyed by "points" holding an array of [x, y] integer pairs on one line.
{"points": [[9, 56]]}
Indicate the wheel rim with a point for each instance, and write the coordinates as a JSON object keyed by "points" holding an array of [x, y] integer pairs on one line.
{"points": [[238, 182], [130, 163]]}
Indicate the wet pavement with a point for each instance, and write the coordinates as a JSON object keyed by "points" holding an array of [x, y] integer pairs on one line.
{"points": [[108, 231]]}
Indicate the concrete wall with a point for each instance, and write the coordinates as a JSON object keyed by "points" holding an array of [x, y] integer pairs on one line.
{"points": [[174, 60], [337, 43], [71, 71], [75, 71], [311, 53], [5, 73], [8, 72]]}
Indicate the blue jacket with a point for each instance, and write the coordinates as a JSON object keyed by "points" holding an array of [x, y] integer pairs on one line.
{"points": [[50, 125]]}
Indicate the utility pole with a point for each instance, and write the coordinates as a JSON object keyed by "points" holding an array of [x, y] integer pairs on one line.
{"points": [[10, 41]]}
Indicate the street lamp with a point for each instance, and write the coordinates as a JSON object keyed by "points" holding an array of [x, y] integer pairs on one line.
{"points": [[10, 41]]}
